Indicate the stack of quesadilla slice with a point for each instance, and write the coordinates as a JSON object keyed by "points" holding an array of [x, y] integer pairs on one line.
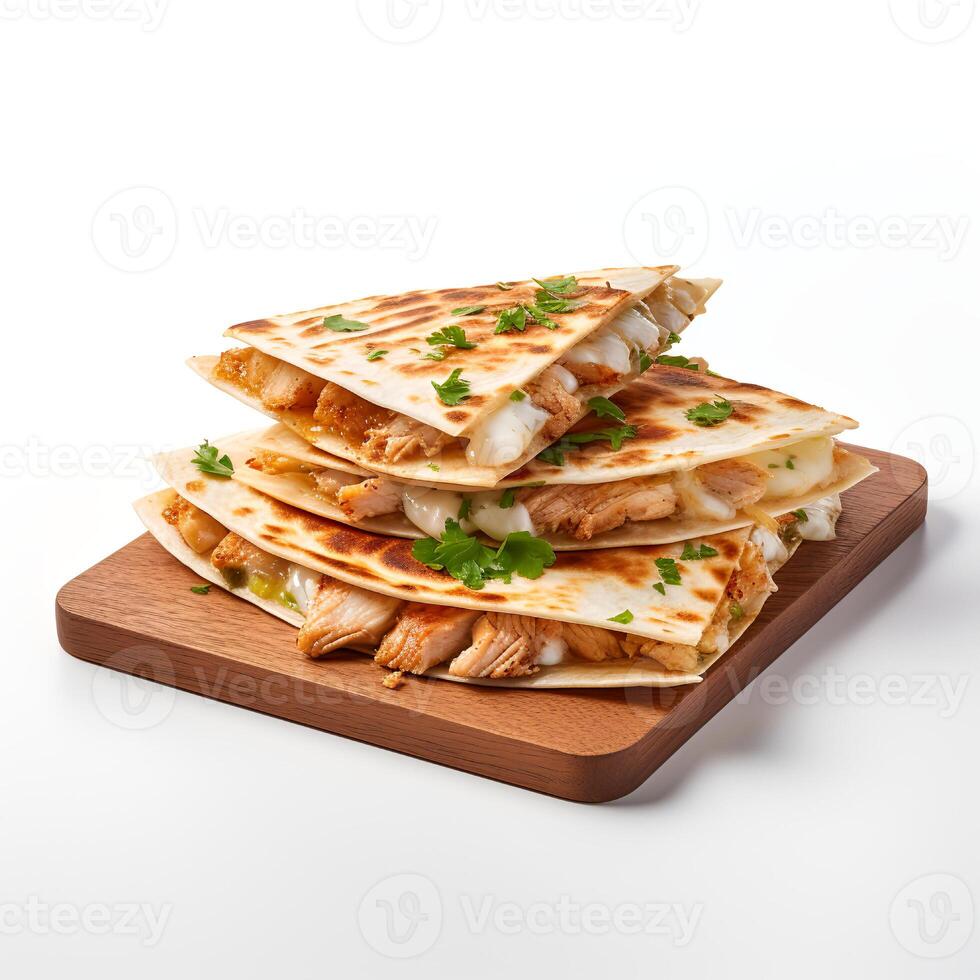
{"points": [[513, 484]]}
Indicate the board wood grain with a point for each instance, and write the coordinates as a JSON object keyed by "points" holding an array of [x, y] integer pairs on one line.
{"points": [[134, 612]]}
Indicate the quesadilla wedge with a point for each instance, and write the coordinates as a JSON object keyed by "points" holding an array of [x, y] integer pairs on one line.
{"points": [[498, 647], [482, 378], [673, 506]]}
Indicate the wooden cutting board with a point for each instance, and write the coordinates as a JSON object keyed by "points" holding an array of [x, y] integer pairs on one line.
{"points": [[134, 612]]}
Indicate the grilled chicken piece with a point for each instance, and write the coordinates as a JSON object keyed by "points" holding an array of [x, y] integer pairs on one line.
{"points": [[592, 642], [583, 511], [275, 464], [402, 438], [751, 582], [200, 531], [342, 615], [506, 646], [592, 373], [237, 559], [549, 393], [370, 498], [348, 415], [328, 483], [424, 636], [674, 656], [737, 481], [279, 385]]}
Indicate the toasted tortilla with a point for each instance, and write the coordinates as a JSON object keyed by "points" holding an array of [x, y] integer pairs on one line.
{"points": [[402, 380], [588, 587], [640, 672], [300, 490], [656, 404]]}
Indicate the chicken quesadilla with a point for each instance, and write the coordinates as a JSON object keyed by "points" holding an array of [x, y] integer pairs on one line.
{"points": [[480, 378], [675, 483], [708, 595]]}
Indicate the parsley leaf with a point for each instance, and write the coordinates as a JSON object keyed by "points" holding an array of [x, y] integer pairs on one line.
{"points": [[555, 453], [605, 409], [435, 355], [678, 360], [659, 586], [434, 467], [669, 571], [506, 499], [560, 286], [691, 553], [377, 355], [736, 611], [201, 589], [644, 358], [206, 460], [452, 336], [790, 465], [465, 558], [467, 310], [518, 395], [672, 338], [513, 318], [454, 389], [537, 314], [801, 515], [710, 414], [339, 325], [624, 617], [464, 508]]}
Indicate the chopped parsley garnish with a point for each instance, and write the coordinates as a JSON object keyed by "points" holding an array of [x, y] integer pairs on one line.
{"points": [[468, 560], [736, 611], [434, 467], [625, 617], [790, 465], [206, 460], [605, 409], [801, 515], [513, 318], [546, 303], [506, 499], [774, 466], [669, 571], [451, 336], [644, 359], [678, 360], [690, 553], [712, 374], [505, 285], [659, 586], [537, 314], [713, 413], [435, 355], [339, 325], [555, 453], [558, 287], [672, 338], [518, 395], [376, 355], [467, 310], [201, 589], [454, 389], [464, 508]]}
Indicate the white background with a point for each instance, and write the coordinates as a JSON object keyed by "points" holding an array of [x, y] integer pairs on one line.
{"points": [[817, 156]]}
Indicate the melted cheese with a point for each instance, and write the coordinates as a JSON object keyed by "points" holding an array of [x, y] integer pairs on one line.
{"points": [[821, 519], [696, 501], [603, 347], [496, 521], [773, 549], [505, 434], [552, 652], [636, 330], [429, 509], [301, 584], [564, 377], [796, 469]]}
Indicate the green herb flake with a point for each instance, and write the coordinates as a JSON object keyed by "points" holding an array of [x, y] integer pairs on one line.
{"points": [[605, 409], [790, 465], [513, 318], [678, 360], [464, 508], [659, 586], [376, 355], [644, 359], [707, 414], [736, 611], [468, 310], [505, 285], [201, 589], [801, 515], [451, 336], [339, 325], [206, 460], [625, 617], [669, 571], [506, 499], [434, 467], [435, 355], [560, 286], [690, 553], [518, 395], [672, 338], [454, 389], [616, 436]]}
